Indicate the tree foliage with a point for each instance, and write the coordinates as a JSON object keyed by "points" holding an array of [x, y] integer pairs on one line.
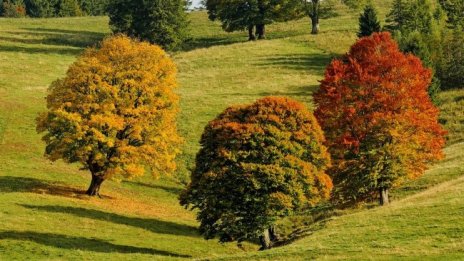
{"points": [[455, 12], [368, 22], [12, 8], [162, 22], [62, 8], [452, 67], [257, 163], [419, 29], [69, 8], [114, 112], [237, 15], [381, 126]]}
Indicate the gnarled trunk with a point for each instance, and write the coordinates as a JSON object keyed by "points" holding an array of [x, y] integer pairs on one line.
{"points": [[384, 200], [251, 34], [95, 184], [261, 31], [315, 24]]}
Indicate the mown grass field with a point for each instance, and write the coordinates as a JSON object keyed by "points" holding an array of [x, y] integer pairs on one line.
{"points": [[44, 216]]}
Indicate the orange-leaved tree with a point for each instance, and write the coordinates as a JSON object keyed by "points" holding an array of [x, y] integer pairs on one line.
{"points": [[257, 163], [380, 124], [114, 112]]}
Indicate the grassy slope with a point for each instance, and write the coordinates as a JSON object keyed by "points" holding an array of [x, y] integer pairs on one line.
{"points": [[41, 211]]}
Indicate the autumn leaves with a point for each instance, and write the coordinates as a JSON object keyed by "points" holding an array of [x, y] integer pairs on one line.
{"points": [[115, 114]]}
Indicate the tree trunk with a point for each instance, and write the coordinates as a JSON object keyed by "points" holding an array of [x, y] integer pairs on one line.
{"points": [[94, 187], [251, 34], [261, 31], [384, 200], [265, 240], [272, 234], [315, 24]]}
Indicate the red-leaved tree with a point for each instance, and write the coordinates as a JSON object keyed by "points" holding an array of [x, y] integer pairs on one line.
{"points": [[381, 127]]}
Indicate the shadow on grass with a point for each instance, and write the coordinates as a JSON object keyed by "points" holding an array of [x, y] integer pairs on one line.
{"points": [[81, 243], [10, 184], [152, 225], [206, 42], [172, 190], [304, 91], [39, 50], [63, 42], [30, 185], [310, 62]]}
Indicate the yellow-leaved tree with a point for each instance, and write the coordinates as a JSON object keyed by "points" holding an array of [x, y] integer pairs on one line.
{"points": [[114, 112]]}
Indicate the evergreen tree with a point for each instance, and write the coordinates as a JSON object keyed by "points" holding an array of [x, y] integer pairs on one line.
{"points": [[455, 12], [452, 70], [163, 22], [368, 22], [396, 17], [69, 8], [94, 7], [41, 8]]}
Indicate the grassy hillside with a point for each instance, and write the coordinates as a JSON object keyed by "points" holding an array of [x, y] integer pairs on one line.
{"points": [[43, 215]]}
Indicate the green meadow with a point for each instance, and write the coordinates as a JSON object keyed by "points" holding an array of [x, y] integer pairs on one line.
{"points": [[43, 214]]}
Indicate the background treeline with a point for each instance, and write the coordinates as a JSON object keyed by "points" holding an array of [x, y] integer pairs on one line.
{"points": [[52, 8], [434, 32]]}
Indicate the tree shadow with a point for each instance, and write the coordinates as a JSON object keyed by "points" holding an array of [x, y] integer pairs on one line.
{"points": [[172, 190], [152, 225], [39, 50], [57, 41], [75, 38], [311, 62], [304, 91], [10, 184], [81, 243], [233, 38]]}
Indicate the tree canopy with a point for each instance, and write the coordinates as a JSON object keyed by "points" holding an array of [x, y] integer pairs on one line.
{"points": [[162, 22], [380, 124], [236, 15], [257, 163], [114, 112]]}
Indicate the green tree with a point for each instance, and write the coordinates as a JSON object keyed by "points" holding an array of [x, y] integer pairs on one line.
{"points": [[41, 8], [69, 8], [94, 7], [114, 112], [452, 69], [418, 29], [237, 15], [455, 12], [162, 22], [368, 22], [257, 163]]}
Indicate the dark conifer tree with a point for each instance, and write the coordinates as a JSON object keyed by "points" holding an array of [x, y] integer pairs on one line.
{"points": [[368, 22]]}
